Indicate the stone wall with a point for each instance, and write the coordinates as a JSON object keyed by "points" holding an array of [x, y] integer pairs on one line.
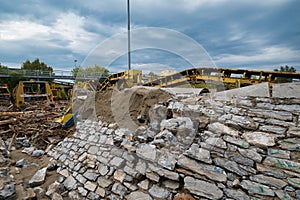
{"points": [[245, 148]]}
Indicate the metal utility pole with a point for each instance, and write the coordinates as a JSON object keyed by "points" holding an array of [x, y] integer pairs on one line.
{"points": [[128, 34]]}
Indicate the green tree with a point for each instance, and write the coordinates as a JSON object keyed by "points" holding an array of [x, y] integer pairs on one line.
{"points": [[36, 65], [76, 70], [3, 69], [13, 80], [37, 68], [90, 71], [284, 69]]}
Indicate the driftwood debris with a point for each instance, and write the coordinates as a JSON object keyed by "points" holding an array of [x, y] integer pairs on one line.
{"points": [[35, 122], [8, 121]]}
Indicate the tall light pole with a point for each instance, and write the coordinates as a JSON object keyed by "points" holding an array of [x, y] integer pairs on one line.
{"points": [[75, 61], [128, 34]]}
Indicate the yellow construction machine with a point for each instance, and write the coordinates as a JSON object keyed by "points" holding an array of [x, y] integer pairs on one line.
{"points": [[28, 91], [61, 91], [125, 79], [67, 119], [4, 95]]}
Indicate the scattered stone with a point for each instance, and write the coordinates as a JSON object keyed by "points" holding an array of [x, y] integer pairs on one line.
{"points": [[38, 178], [273, 129], [119, 189], [256, 188], [169, 174], [70, 183], [176, 123], [198, 153], [29, 194], [202, 188], [52, 188], [146, 151], [141, 167], [221, 150], [297, 194], [270, 181], [37, 153], [117, 162], [271, 114], [63, 172], [244, 122], [82, 191], [294, 132], [90, 175], [73, 195], [119, 175], [219, 128], [20, 163], [295, 182], [93, 150], [173, 185], [236, 194], [279, 153], [159, 192], [103, 182], [130, 171], [103, 169], [238, 158], [39, 191], [217, 142], [100, 191], [90, 186], [144, 184], [157, 113], [153, 176], [230, 166], [259, 139], [183, 196], [277, 173], [238, 142], [289, 189], [8, 191], [251, 154], [167, 160], [291, 144], [289, 108], [138, 196], [56, 196], [167, 135], [282, 163], [210, 171], [28, 150], [283, 195]]}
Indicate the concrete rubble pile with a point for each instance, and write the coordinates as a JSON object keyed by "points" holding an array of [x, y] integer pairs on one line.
{"points": [[242, 148]]}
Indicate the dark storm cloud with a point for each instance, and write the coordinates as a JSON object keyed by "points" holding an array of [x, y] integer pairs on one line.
{"points": [[235, 33]]}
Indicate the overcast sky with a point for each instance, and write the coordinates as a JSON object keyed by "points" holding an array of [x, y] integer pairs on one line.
{"points": [[253, 34]]}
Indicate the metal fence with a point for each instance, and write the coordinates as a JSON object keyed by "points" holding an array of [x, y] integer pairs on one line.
{"points": [[55, 74], [37, 73]]}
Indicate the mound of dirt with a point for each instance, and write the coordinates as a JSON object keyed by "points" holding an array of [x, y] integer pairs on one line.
{"points": [[123, 106], [103, 105], [143, 99]]}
